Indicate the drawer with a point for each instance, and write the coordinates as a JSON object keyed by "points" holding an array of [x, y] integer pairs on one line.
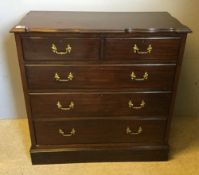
{"points": [[155, 77], [138, 49], [99, 104], [60, 48], [99, 131]]}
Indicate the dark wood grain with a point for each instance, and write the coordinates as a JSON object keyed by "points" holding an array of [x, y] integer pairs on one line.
{"points": [[122, 48], [101, 76], [25, 87], [104, 154], [78, 22], [99, 104], [177, 76], [39, 48], [99, 131], [101, 62]]}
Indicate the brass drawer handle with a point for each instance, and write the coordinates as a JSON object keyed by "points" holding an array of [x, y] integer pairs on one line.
{"points": [[134, 77], [137, 50], [142, 105], [70, 106], [130, 132], [69, 77], [54, 49], [71, 133]]}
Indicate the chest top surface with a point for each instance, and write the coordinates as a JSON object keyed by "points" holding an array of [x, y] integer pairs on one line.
{"points": [[100, 22]]}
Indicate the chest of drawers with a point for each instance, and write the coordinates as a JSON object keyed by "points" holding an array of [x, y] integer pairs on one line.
{"points": [[99, 86]]}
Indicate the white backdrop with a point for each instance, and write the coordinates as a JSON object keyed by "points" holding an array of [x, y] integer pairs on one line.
{"points": [[11, 96]]}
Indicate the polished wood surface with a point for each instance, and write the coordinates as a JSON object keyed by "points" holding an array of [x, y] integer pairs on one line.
{"points": [[114, 153], [77, 22], [99, 84], [99, 104], [122, 48], [44, 106], [99, 131], [41, 48], [101, 77]]}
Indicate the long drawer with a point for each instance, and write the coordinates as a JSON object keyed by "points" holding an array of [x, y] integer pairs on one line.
{"points": [[99, 131], [139, 49], [99, 104], [154, 77], [60, 48]]}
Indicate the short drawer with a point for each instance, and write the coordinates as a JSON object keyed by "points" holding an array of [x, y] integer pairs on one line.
{"points": [[155, 77], [138, 49], [99, 104], [99, 131], [60, 48]]}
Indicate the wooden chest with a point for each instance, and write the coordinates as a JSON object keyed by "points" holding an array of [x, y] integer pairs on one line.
{"points": [[99, 86]]}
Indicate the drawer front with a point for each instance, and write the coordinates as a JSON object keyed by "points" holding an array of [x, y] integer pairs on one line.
{"points": [[98, 77], [66, 49], [99, 131], [99, 104], [138, 49]]}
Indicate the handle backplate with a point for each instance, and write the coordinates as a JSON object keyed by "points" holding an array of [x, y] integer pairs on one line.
{"points": [[131, 105], [54, 49], [137, 50], [130, 132], [69, 77], [70, 106], [134, 76], [71, 133]]}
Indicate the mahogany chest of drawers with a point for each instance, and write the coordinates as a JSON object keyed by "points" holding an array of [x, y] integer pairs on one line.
{"points": [[99, 86]]}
